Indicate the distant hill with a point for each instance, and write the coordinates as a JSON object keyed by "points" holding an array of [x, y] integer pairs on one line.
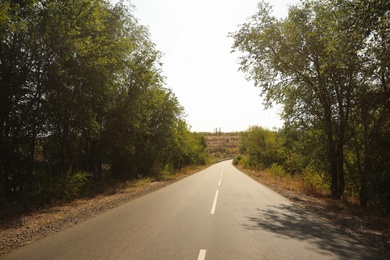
{"points": [[222, 145]]}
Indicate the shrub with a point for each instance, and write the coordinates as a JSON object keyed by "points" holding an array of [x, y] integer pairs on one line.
{"points": [[74, 183], [315, 181], [168, 169], [50, 189], [277, 170], [237, 159]]}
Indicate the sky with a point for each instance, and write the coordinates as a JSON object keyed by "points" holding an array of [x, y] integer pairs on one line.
{"points": [[198, 64]]}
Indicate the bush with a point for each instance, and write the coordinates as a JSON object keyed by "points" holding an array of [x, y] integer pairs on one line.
{"points": [[243, 161], [51, 189], [237, 159], [293, 164], [277, 170], [168, 169], [74, 184], [315, 181], [262, 147]]}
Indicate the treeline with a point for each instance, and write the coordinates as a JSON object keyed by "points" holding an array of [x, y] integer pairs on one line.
{"points": [[328, 64], [83, 98]]}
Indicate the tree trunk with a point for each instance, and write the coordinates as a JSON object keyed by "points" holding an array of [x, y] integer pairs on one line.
{"points": [[332, 155], [334, 185], [340, 169]]}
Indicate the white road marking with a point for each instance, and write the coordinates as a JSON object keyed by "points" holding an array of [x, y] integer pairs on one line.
{"points": [[220, 180], [202, 254], [214, 203]]}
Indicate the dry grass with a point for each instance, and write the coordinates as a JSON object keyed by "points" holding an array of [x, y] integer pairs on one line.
{"points": [[287, 183]]}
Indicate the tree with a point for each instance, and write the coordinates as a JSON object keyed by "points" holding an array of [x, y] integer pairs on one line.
{"points": [[19, 98], [82, 96], [328, 64], [296, 62], [262, 147], [370, 115]]}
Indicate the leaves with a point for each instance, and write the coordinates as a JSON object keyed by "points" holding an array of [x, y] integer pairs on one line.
{"points": [[82, 91], [327, 63]]}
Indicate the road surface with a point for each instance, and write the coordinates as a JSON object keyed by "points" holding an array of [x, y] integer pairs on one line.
{"points": [[218, 213]]}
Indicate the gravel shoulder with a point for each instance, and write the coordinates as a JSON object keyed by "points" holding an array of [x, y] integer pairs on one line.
{"points": [[362, 224]]}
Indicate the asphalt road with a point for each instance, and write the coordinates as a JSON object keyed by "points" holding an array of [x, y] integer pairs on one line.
{"points": [[218, 213]]}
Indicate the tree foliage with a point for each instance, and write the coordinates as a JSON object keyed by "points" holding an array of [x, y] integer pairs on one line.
{"points": [[82, 96], [262, 147], [327, 63]]}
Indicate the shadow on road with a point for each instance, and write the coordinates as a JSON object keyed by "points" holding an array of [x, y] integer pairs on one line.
{"points": [[290, 222]]}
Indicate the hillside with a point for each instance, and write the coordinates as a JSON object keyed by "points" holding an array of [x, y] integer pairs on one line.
{"points": [[222, 145]]}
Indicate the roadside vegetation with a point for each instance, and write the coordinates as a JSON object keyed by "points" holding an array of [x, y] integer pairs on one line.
{"points": [[83, 103], [273, 157], [264, 154], [327, 64]]}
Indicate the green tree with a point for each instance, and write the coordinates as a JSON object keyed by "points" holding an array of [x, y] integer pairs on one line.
{"points": [[368, 160], [296, 63], [19, 97], [328, 64], [262, 147], [82, 91]]}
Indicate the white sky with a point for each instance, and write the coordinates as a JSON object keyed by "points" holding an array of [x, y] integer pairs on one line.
{"points": [[198, 64]]}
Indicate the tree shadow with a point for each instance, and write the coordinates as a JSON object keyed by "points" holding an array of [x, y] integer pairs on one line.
{"points": [[291, 222]]}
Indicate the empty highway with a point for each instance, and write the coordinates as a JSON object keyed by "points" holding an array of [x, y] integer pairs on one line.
{"points": [[218, 213]]}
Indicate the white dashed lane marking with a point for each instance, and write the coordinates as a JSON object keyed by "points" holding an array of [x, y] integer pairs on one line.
{"points": [[202, 254], [214, 203]]}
